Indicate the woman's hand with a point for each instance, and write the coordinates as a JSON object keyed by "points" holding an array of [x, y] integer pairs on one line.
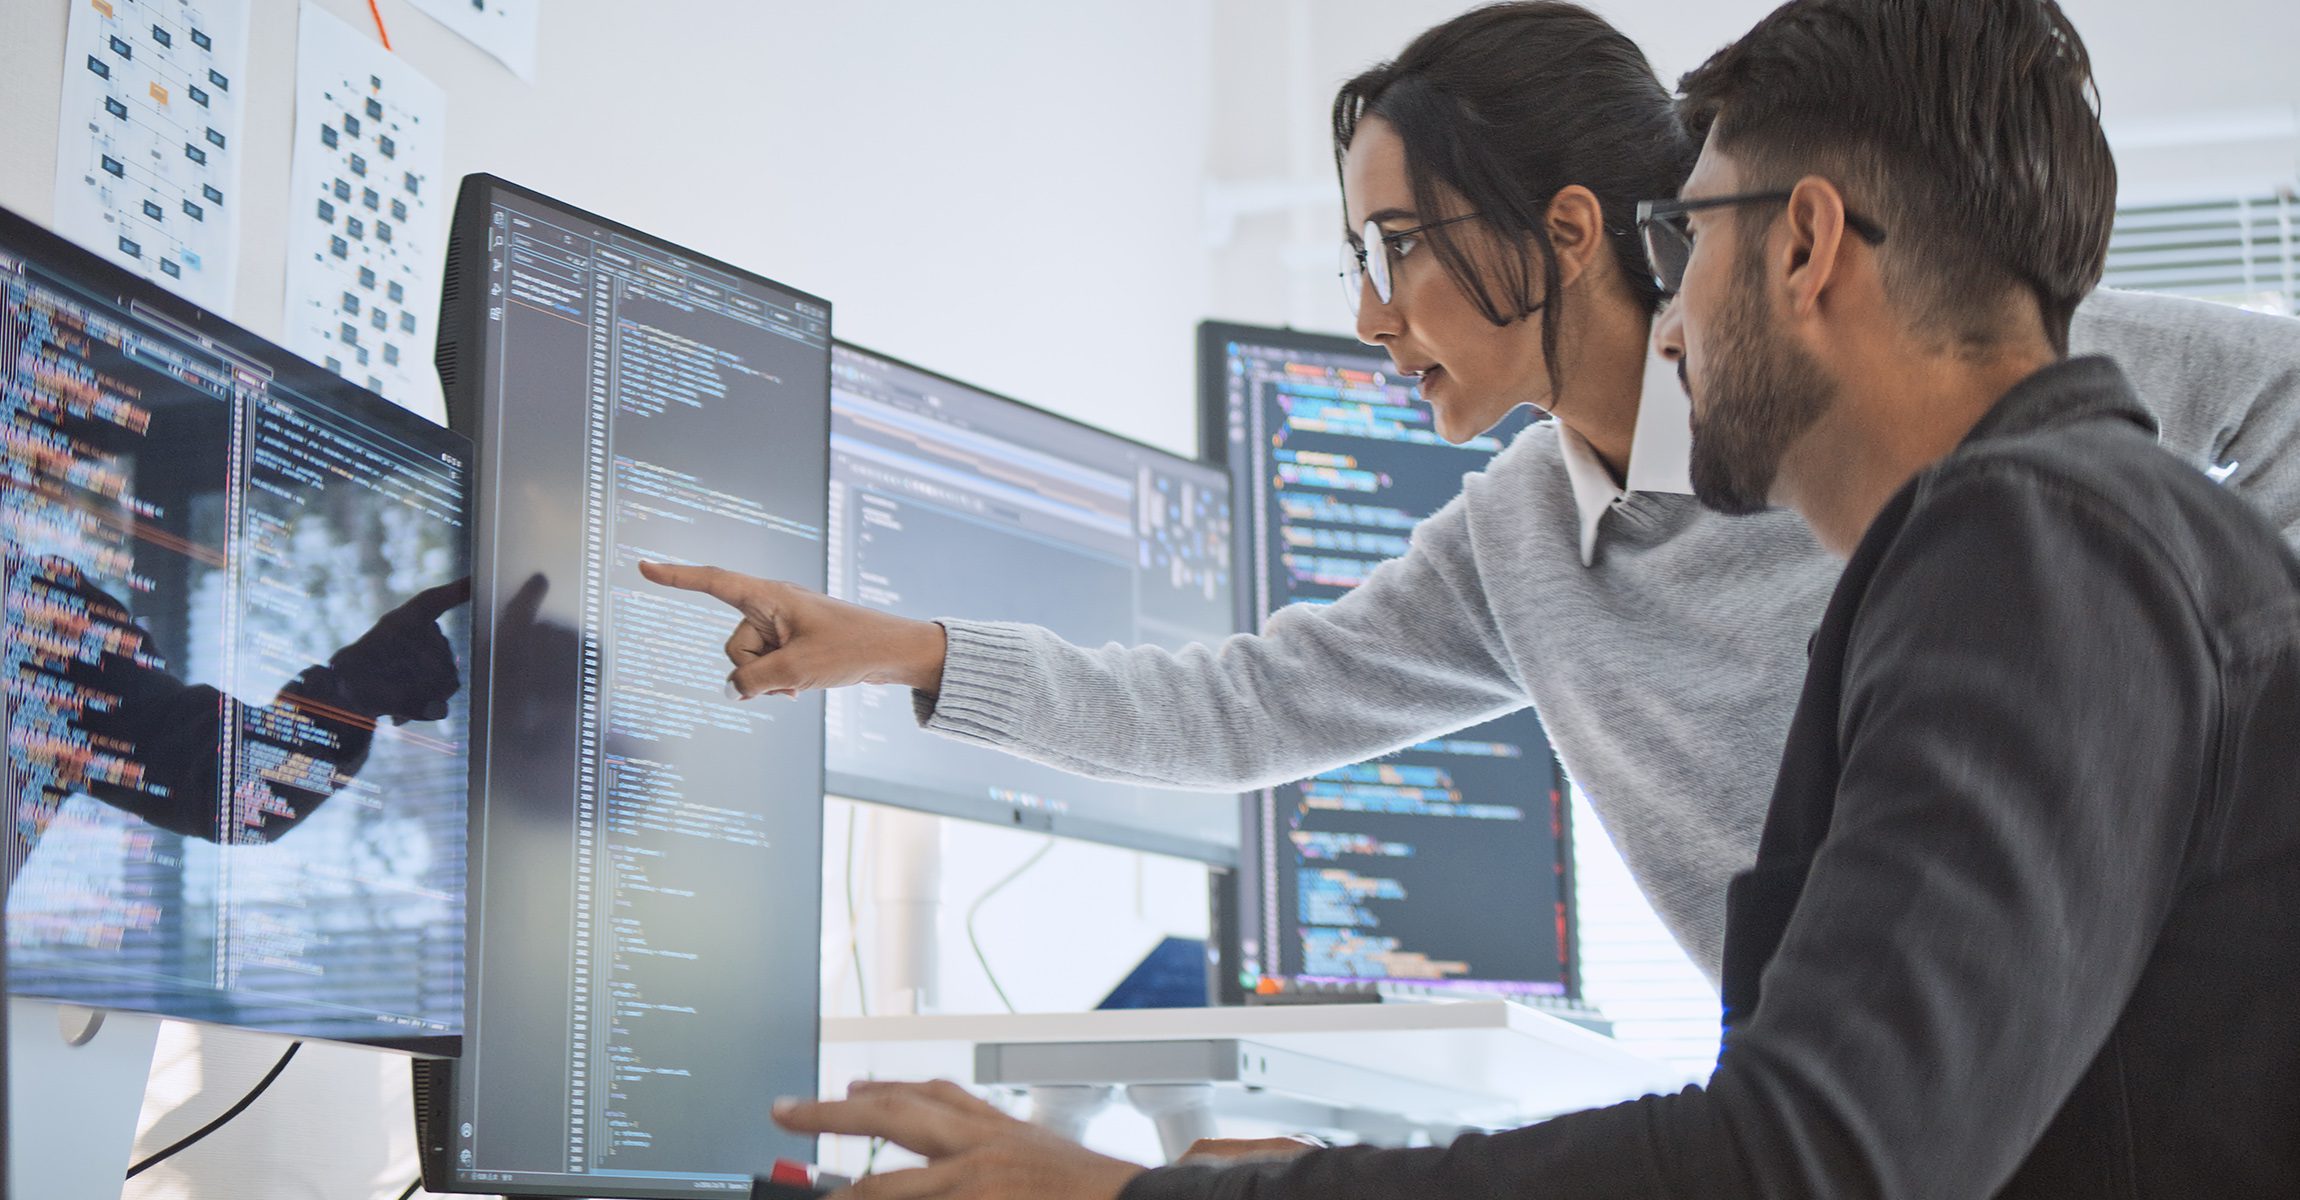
{"points": [[973, 1151], [793, 640]]}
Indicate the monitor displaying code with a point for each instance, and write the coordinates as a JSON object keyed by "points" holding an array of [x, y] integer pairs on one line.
{"points": [[237, 625], [949, 501], [649, 851], [1441, 867]]}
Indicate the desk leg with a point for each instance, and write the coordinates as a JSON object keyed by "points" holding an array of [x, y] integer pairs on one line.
{"points": [[1065, 1108], [1183, 1112]]}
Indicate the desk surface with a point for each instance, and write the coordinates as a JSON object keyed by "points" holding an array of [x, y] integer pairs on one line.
{"points": [[1530, 1063]]}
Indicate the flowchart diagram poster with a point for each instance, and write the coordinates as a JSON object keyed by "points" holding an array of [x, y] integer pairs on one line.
{"points": [[366, 215], [148, 145]]}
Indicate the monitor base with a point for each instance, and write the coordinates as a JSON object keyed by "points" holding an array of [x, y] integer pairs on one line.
{"points": [[76, 1081]]}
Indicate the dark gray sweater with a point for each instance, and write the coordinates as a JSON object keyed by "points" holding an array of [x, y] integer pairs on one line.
{"points": [[1665, 671]]}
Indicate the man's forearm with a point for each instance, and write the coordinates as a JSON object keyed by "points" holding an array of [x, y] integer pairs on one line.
{"points": [[1658, 1146]]}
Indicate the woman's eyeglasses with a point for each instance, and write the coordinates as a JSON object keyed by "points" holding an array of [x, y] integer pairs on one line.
{"points": [[1360, 264]]}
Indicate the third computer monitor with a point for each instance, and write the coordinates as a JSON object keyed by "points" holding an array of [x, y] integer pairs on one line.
{"points": [[1443, 867], [950, 501], [647, 870]]}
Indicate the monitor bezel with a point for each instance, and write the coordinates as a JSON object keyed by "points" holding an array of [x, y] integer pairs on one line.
{"points": [[462, 340], [295, 373], [846, 786], [1214, 446], [462, 299]]}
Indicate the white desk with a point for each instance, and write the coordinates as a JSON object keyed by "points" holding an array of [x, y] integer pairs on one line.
{"points": [[1378, 1071]]}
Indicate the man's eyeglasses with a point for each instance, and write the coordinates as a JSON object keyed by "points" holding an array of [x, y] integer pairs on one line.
{"points": [[1358, 265], [1667, 229]]}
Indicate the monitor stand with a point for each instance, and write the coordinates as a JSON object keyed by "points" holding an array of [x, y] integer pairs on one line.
{"points": [[906, 861], [76, 1080]]}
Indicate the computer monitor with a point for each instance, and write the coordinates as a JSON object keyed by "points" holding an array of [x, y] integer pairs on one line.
{"points": [[951, 501], [234, 587], [648, 856], [1442, 868]]}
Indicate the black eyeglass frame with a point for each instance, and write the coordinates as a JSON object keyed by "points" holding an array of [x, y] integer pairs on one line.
{"points": [[1656, 217], [1354, 248]]}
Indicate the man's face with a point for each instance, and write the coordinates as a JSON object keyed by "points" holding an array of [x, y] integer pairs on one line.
{"points": [[1755, 390]]}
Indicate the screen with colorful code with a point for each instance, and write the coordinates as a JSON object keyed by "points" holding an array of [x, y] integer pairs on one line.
{"points": [[1440, 868], [237, 627]]}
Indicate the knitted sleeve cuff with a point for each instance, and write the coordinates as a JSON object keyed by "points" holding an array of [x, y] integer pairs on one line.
{"points": [[988, 678]]}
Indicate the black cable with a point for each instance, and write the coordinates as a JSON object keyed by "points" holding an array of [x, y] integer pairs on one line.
{"points": [[412, 1188], [219, 1122]]}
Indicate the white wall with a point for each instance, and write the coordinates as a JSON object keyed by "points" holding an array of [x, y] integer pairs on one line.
{"points": [[1007, 193]]}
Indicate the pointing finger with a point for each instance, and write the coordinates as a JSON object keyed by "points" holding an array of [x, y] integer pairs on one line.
{"points": [[716, 582]]}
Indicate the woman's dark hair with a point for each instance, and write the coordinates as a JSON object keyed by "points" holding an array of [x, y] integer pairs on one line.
{"points": [[1969, 129], [1507, 105]]}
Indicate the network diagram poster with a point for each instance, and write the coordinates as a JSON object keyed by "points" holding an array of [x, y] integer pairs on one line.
{"points": [[366, 214], [148, 149]]}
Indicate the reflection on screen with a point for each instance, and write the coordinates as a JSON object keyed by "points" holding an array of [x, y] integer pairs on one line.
{"points": [[236, 615], [947, 501], [647, 978], [1440, 866]]}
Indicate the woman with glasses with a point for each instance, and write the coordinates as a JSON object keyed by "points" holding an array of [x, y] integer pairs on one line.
{"points": [[1492, 178]]}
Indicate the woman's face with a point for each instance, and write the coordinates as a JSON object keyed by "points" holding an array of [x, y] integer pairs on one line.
{"points": [[1472, 371]]}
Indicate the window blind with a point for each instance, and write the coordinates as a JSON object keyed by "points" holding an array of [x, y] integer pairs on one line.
{"points": [[1631, 969], [2244, 250]]}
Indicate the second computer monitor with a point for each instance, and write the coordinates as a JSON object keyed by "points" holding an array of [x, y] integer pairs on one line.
{"points": [[647, 869], [1443, 867], [950, 501]]}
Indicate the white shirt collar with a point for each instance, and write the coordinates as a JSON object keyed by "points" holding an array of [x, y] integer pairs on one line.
{"points": [[1660, 453]]}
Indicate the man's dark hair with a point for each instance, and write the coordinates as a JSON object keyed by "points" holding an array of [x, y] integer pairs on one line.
{"points": [[1969, 129], [1507, 105]]}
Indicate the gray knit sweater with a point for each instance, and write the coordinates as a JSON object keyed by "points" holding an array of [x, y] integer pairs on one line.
{"points": [[1665, 671]]}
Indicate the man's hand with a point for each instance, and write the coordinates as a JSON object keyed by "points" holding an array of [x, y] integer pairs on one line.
{"points": [[402, 667], [1225, 1151], [973, 1151], [792, 640]]}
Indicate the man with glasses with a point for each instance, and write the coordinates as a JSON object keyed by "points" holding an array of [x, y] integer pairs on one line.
{"points": [[2025, 916]]}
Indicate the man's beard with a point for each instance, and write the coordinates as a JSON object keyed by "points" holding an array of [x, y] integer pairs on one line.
{"points": [[1761, 393]]}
